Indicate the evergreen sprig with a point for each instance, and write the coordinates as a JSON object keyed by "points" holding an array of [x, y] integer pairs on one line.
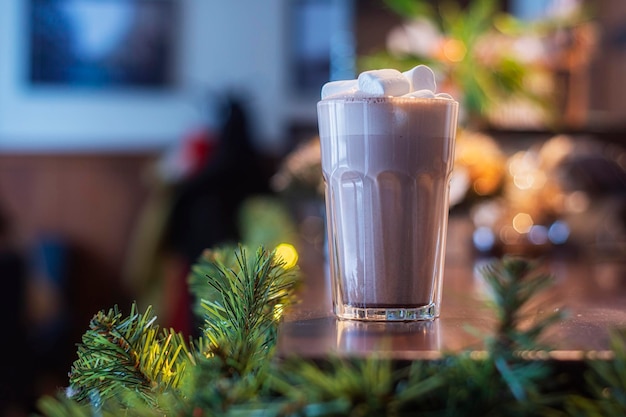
{"points": [[372, 386], [120, 354], [241, 299], [244, 303], [606, 382], [129, 404], [515, 283]]}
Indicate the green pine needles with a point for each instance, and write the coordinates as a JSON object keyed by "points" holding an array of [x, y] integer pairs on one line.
{"points": [[126, 366], [243, 301], [118, 354], [606, 384], [515, 284]]}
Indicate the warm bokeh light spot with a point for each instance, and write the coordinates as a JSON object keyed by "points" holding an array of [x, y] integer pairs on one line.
{"points": [[454, 50], [577, 202], [288, 254], [487, 185], [522, 222]]}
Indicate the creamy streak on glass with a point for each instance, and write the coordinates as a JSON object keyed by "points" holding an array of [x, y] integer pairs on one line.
{"points": [[387, 163]]}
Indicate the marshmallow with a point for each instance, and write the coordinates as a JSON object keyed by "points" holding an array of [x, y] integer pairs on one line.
{"points": [[343, 87], [445, 96], [421, 78], [384, 82], [418, 82], [420, 94]]}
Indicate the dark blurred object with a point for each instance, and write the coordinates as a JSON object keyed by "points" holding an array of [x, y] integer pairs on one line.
{"points": [[206, 205], [17, 371], [597, 174], [53, 325]]}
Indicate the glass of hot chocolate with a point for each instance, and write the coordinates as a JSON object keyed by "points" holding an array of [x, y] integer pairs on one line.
{"points": [[387, 145]]}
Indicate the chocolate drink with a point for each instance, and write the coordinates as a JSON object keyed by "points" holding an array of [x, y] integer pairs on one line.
{"points": [[387, 163]]}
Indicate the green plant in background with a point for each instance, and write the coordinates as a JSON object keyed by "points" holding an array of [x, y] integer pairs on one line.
{"points": [[469, 48], [127, 367], [266, 221]]}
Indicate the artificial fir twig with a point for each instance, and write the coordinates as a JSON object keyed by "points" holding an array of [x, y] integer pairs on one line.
{"points": [[373, 386], [514, 283], [120, 354], [606, 381], [244, 302]]}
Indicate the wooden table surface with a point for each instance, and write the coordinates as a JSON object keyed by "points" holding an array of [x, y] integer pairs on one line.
{"points": [[592, 293]]}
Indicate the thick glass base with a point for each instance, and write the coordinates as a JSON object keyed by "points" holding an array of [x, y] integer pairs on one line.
{"points": [[427, 312]]}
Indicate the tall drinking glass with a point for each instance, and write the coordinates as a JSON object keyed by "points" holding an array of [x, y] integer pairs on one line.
{"points": [[387, 163]]}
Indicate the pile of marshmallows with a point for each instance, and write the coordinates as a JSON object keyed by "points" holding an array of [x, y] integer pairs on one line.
{"points": [[418, 82]]}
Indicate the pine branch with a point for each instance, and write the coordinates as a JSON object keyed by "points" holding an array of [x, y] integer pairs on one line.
{"points": [[242, 299], [128, 406], [243, 303], [120, 355], [514, 283], [606, 381], [343, 386]]}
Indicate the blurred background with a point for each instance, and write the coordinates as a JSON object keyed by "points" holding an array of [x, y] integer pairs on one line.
{"points": [[134, 134]]}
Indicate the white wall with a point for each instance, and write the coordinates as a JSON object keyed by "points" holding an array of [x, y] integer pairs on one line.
{"points": [[225, 44], [240, 45]]}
